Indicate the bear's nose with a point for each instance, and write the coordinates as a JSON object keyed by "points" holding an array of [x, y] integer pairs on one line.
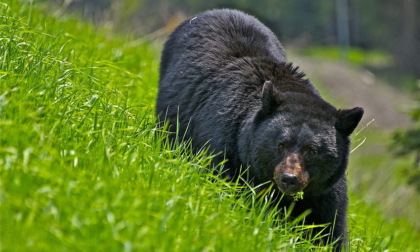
{"points": [[289, 182]]}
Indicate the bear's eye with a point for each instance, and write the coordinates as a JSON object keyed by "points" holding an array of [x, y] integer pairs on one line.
{"points": [[311, 152], [281, 146]]}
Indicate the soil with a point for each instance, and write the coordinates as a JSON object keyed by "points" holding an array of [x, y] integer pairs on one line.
{"points": [[350, 86]]}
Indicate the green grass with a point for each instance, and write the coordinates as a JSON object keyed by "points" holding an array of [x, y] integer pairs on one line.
{"points": [[84, 168], [353, 55]]}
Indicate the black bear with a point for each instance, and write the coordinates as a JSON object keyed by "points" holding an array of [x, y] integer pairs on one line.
{"points": [[225, 83]]}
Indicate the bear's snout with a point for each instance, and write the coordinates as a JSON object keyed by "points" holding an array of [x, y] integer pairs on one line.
{"points": [[290, 175], [289, 182]]}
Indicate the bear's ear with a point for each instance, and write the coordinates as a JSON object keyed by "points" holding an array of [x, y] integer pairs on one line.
{"points": [[347, 120], [271, 98]]}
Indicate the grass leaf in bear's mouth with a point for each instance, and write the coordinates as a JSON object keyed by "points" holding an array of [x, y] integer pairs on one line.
{"points": [[298, 196]]}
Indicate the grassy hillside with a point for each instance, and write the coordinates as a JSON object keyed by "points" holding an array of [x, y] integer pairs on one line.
{"points": [[83, 167]]}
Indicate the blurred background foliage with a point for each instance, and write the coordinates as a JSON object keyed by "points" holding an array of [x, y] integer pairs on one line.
{"points": [[388, 26]]}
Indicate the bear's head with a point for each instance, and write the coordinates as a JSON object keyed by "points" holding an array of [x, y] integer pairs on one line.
{"points": [[298, 141]]}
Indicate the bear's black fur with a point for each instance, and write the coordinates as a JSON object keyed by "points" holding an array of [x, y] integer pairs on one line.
{"points": [[225, 83]]}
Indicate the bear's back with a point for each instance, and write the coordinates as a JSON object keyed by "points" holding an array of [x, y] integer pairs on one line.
{"points": [[214, 38]]}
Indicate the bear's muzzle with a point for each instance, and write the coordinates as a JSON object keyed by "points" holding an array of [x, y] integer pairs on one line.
{"points": [[290, 175]]}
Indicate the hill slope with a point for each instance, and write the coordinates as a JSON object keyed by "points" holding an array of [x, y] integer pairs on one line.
{"points": [[83, 167]]}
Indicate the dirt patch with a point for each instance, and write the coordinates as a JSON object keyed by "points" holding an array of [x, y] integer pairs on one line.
{"points": [[353, 87]]}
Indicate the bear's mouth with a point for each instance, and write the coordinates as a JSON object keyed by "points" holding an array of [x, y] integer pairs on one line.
{"points": [[289, 186]]}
